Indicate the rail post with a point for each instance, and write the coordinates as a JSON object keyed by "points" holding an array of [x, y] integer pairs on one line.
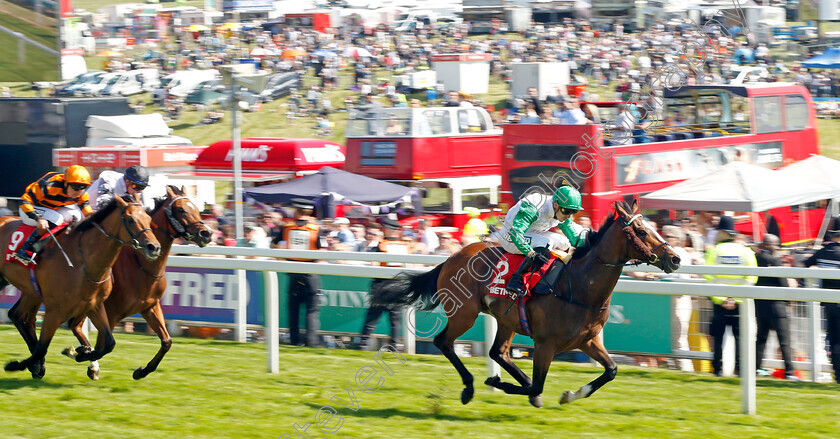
{"points": [[272, 321], [241, 317], [746, 323]]}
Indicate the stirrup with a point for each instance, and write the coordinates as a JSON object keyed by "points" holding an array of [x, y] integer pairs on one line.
{"points": [[25, 260]]}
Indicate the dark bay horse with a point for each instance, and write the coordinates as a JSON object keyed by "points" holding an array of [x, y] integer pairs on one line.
{"points": [[139, 285], [66, 291], [570, 318]]}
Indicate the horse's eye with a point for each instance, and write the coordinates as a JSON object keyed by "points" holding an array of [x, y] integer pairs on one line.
{"points": [[130, 220], [642, 233]]}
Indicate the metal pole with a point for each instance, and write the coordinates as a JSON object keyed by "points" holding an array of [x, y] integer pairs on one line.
{"points": [[746, 323], [272, 321], [21, 48], [237, 162], [814, 333], [242, 303]]}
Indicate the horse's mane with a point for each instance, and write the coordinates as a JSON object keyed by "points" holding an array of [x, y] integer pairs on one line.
{"points": [[596, 237], [160, 201], [96, 218]]}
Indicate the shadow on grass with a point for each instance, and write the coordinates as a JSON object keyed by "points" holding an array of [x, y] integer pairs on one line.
{"points": [[10, 383], [388, 413]]}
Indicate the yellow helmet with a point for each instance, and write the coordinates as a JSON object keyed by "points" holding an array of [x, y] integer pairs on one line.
{"points": [[77, 174]]}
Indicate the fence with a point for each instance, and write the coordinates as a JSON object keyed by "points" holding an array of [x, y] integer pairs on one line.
{"points": [[747, 310]]}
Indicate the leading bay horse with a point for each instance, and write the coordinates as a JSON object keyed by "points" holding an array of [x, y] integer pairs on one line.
{"points": [[139, 285], [569, 318], [70, 291]]}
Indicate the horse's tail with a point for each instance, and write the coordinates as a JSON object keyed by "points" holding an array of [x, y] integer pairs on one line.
{"points": [[408, 289]]}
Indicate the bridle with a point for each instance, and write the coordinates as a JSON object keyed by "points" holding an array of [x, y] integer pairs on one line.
{"points": [[653, 259], [181, 230], [135, 243]]}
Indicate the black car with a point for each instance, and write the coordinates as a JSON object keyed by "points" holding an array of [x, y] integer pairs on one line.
{"points": [[279, 85]]}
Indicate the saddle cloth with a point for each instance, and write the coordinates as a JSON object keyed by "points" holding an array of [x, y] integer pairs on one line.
{"points": [[505, 268], [19, 237]]}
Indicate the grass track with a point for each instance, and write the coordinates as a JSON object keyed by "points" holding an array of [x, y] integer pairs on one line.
{"points": [[212, 389]]}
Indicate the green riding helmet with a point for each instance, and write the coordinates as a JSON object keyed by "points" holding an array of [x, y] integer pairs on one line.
{"points": [[568, 197]]}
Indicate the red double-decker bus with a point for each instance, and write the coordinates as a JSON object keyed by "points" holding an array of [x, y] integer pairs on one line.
{"points": [[703, 128], [451, 153]]}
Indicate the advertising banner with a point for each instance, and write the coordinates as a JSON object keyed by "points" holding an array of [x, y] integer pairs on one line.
{"points": [[637, 323]]}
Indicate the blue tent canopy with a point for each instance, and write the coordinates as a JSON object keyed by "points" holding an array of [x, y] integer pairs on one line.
{"points": [[830, 59], [342, 185]]}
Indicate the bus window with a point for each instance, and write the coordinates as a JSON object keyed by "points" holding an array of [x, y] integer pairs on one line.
{"points": [[470, 121], [796, 112], [380, 153], [768, 114], [359, 128], [437, 120], [540, 179], [478, 198], [437, 199]]}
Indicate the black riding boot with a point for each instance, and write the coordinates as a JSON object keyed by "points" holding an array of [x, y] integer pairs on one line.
{"points": [[29, 245], [515, 284]]}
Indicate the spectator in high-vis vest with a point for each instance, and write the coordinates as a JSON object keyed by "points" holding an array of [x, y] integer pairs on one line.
{"points": [[725, 313], [302, 234]]}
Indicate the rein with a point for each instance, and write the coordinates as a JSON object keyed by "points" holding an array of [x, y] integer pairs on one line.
{"points": [[631, 234], [84, 266], [134, 242]]}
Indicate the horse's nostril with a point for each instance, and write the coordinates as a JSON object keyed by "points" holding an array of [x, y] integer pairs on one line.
{"points": [[204, 234]]}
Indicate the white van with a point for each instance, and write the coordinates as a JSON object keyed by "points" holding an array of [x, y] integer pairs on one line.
{"points": [[132, 82], [181, 83], [412, 20]]}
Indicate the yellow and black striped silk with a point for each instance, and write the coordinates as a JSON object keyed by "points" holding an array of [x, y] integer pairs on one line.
{"points": [[48, 192]]}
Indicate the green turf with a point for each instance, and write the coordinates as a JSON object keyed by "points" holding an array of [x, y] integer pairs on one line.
{"points": [[214, 389]]}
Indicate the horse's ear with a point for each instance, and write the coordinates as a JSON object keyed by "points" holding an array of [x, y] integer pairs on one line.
{"points": [[169, 191], [619, 209], [183, 189], [635, 205], [119, 200]]}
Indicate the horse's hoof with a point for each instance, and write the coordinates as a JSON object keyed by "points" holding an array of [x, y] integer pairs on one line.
{"points": [[566, 398], [536, 401], [69, 352], [14, 366], [467, 395], [38, 370], [493, 381], [138, 374], [93, 374]]}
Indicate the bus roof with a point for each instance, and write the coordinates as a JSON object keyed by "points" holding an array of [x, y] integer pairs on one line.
{"points": [[745, 90]]}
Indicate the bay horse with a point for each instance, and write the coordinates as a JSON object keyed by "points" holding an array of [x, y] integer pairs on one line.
{"points": [[70, 291], [571, 317], [139, 285]]}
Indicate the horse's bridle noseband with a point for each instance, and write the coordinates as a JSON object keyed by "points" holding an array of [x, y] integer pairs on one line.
{"points": [[135, 243], [181, 230], [654, 259]]}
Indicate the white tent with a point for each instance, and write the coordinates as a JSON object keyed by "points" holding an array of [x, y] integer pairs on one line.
{"points": [[132, 129], [739, 187], [815, 168]]}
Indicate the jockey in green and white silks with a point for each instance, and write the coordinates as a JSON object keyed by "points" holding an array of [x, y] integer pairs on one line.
{"points": [[527, 224]]}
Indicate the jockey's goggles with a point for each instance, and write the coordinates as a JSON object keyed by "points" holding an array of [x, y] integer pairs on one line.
{"points": [[565, 211], [78, 186], [138, 187]]}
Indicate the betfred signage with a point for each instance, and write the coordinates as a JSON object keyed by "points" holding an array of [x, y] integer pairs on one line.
{"points": [[127, 155]]}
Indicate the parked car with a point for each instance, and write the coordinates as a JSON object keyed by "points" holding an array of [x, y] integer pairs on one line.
{"points": [[207, 93], [279, 85], [71, 87]]}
